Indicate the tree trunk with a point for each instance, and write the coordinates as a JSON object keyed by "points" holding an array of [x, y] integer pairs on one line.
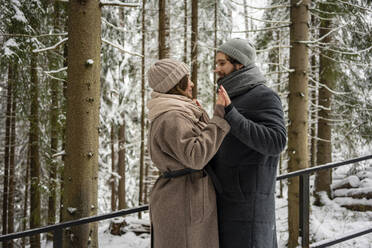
{"points": [[142, 154], [11, 160], [298, 110], [121, 167], [25, 203], [215, 52], [63, 139], [54, 130], [7, 151], [164, 47], [246, 19], [279, 90], [34, 156], [82, 121], [323, 179], [194, 47], [314, 102], [185, 33], [113, 169]]}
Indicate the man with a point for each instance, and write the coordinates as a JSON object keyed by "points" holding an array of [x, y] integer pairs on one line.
{"points": [[246, 163]]}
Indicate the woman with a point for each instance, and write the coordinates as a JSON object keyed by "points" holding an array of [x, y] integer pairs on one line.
{"points": [[182, 139]]}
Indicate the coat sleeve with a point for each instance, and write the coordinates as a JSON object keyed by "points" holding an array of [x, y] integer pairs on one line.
{"points": [[263, 130], [179, 139]]}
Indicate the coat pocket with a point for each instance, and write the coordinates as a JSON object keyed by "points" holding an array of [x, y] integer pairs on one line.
{"points": [[201, 198]]}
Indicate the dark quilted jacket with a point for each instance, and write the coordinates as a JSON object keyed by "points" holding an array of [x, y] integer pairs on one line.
{"points": [[246, 163]]}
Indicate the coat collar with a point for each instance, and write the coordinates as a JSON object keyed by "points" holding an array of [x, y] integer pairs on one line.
{"points": [[241, 81]]}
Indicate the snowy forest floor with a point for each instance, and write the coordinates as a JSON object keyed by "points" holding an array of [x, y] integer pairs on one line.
{"points": [[328, 221]]}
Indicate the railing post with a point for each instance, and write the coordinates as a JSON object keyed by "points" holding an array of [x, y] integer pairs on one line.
{"points": [[304, 209], [57, 238]]}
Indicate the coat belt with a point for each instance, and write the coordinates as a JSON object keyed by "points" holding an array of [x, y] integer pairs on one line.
{"points": [[179, 173]]}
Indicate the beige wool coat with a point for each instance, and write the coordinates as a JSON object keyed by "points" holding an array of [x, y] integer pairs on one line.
{"points": [[183, 210]]}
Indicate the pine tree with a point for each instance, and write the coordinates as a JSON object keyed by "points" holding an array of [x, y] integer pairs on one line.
{"points": [[298, 110], [83, 100]]}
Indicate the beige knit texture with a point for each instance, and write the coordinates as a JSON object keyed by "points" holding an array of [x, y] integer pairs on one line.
{"points": [[165, 74]]}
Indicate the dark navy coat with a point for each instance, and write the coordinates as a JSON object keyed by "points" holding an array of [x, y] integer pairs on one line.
{"points": [[245, 166]]}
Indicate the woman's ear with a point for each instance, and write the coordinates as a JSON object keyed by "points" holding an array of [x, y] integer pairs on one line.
{"points": [[183, 92]]}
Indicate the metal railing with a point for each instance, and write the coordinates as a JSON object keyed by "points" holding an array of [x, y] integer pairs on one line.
{"points": [[304, 175]]}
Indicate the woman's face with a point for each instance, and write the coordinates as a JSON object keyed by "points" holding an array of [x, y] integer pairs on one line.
{"points": [[188, 91]]}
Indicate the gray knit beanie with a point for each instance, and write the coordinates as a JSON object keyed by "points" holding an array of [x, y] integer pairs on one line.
{"points": [[165, 74], [239, 49]]}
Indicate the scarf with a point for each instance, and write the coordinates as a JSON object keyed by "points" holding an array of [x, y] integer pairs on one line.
{"points": [[241, 81], [161, 103]]}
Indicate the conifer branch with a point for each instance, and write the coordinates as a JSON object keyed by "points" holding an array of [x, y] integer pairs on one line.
{"points": [[118, 4], [121, 48]]}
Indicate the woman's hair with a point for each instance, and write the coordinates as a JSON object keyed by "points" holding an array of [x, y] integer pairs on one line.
{"points": [[182, 84], [233, 61]]}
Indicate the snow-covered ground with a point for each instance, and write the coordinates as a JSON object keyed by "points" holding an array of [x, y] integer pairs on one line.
{"points": [[327, 222]]}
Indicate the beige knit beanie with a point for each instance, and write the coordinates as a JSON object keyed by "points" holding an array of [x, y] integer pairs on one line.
{"points": [[165, 74]]}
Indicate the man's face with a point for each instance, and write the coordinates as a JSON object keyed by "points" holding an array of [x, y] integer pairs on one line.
{"points": [[223, 66]]}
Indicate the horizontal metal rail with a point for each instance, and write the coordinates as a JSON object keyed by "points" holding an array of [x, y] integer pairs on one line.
{"points": [[77, 222], [57, 228], [323, 167], [351, 235]]}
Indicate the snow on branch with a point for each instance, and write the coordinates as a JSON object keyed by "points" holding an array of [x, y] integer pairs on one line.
{"points": [[55, 78], [268, 7], [61, 153], [266, 21], [121, 48], [343, 52], [34, 36], [325, 86], [342, 62], [271, 48], [118, 3], [50, 48], [321, 38], [56, 71], [258, 30], [350, 4]]}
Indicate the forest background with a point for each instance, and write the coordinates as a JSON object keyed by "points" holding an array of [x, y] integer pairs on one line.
{"points": [[315, 54]]}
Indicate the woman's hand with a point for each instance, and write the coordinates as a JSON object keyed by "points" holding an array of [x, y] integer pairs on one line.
{"points": [[223, 98], [196, 102]]}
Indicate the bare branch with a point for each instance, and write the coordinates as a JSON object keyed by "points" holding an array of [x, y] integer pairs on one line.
{"points": [[121, 48], [56, 71], [118, 3], [271, 48], [330, 90], [266, 21], [55, 78], [321, 38], [258, 30], [353, 5], [268, 7], [342, 52], [33, 36], [50, 48]]}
